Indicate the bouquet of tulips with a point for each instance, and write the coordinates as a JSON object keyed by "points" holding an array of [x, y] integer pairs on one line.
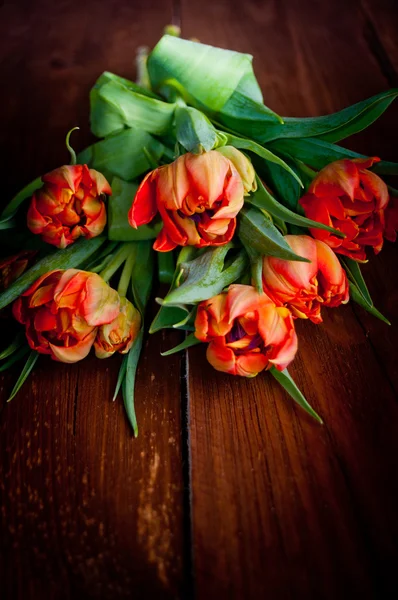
{"points": [[253, 219]]}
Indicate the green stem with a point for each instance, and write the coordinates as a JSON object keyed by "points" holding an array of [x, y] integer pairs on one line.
{"points": [[72, 152], [126, 275], [119, 258]]}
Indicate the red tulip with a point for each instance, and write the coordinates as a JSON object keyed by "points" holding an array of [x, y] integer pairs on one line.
{"points": [[246, 332], [62, 311], [348, 197], [12, 267], [119, 335], [305, 287], [69, 205], [198, 198]]}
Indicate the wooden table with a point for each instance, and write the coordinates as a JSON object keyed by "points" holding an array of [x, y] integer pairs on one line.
{"points": [[230, 491]]}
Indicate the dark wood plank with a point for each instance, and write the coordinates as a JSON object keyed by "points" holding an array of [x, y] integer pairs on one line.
{"points": [[282, 507], [86, 511]]}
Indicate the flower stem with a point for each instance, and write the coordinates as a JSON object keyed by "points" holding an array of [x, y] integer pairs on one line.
{"points": [[119, 258], [306, 169], [126, 275]]}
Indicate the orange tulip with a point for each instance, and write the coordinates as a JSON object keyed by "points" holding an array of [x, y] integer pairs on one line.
{"points": [[246, 332], [198, 198], [119, 335], [348, 197], [69, 205], [62, 311], [305, 287]]}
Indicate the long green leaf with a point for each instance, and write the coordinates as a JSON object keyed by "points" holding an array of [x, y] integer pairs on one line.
{"points": [[23, 351], [286, 381], [69, 258], [30, 363], [357, 296], [166, 267], [342, 123], [189, 341], [251, 146], [128, 385], [354, 273], [142, 274], [265, 201], [14, 346], [258, 232]]}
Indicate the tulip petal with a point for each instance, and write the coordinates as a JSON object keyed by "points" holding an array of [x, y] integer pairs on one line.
{"points": [[101, 303], [207, 173], [249, 365], [76, 352], [221, 357], [144, 207]]}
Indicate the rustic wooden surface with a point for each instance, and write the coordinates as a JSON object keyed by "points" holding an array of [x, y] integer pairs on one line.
{"points": [[230, 491]]}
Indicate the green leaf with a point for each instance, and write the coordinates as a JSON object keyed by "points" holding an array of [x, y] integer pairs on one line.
{"points": [[357, 296], [168, 317], [128, 385], [15, 357], [354, 274], [256, 265], [120, 377], [142, 274], [14, 346], [265, 201], [312, 151], [207, 275], [193, 130], [189, 341], [286, 381], [30, 363], [123, 154], [251, 146], [166, 266], [119, 204], [209, 75], [173, 316], [257, 232], [7, 224], [106, 118], [135, 110], [70, 257], [283, 184], [331, 127], [26, 192], [385, 167]]}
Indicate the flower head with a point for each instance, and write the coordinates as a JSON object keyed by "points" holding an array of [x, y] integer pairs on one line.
{"points": [[246, 332], [69, 205], [119, 335], [348, 197], [198, 198], [62, 311], [305, 287]]}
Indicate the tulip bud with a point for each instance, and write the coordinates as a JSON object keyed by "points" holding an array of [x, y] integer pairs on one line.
{"points": [[352, 199], [62, 311], [243, 165], [119, 335], [69, 205], [246, 332], [198, 198]]}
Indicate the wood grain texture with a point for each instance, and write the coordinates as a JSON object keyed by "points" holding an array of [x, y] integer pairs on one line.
{"points": [[282, 507], [86, 511]]}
